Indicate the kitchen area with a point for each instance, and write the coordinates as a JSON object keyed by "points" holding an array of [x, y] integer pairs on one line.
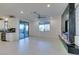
{"points": [[7, 29]]}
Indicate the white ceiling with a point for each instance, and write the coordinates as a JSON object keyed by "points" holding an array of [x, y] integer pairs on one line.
{"points": [[7, 9]]}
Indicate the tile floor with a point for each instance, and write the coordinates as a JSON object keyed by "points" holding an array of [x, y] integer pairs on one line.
{"points": [[32, 46]]}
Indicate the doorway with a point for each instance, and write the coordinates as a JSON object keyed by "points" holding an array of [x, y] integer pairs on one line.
{"points": [[24, 30]]}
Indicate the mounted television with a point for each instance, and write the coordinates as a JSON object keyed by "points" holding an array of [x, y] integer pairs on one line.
{"points": [[66, 26]]}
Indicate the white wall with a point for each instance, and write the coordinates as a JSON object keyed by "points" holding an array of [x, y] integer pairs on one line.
{"points": [[1, 26], [77, 25], [14, 23], [77, 21], [34, 29], [54, 31]]}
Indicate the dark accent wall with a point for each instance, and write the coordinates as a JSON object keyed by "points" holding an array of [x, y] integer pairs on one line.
{"points": [[71, 22]]}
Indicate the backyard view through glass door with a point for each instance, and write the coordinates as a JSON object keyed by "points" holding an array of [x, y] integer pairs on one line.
{"points": [[24, 30]]}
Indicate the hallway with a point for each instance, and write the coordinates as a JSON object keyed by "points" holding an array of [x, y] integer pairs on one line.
{"points": [[32, 46]]}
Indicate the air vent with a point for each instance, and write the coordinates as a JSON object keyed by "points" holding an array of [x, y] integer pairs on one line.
{"points": [[11, 16]]}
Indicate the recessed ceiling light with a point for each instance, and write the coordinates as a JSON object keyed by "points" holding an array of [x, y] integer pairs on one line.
{"points": [[21, 12], [48, 5]]}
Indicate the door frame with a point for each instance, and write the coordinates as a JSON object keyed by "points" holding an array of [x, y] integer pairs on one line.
{"points": [[19, 27]]}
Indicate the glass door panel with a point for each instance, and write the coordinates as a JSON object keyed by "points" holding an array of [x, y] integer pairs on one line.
{"points": [[24, 31], [21, 31]]}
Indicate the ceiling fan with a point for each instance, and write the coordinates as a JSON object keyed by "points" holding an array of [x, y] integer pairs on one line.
{"points": [[39, 16]]}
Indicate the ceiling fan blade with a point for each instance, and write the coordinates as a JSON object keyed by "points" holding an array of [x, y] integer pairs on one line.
{"points": [[36, 13], [42, 17]]}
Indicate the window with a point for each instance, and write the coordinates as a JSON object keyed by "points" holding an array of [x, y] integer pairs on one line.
{"points": [[47, 27], [44, 26]]}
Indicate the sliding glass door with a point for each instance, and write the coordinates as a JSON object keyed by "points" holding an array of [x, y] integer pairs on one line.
{"points": [[24, 30]]}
